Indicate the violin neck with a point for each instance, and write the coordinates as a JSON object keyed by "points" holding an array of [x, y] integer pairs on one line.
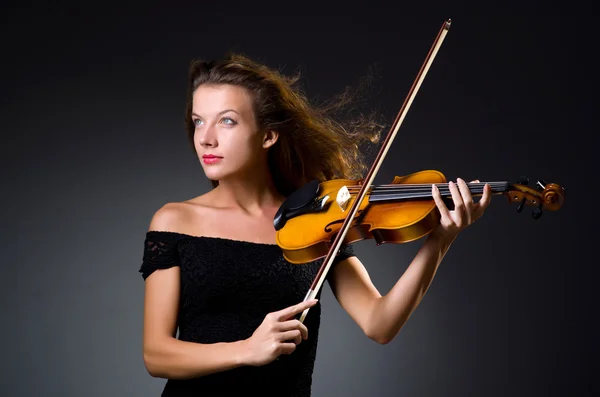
{"points": [[395, 192]]}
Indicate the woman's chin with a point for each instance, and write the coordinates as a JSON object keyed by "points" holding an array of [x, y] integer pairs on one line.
{"points": [[215, 176], [213, 172]]}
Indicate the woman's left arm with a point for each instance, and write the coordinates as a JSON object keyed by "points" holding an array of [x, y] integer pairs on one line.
{"points": [[382, 317]]}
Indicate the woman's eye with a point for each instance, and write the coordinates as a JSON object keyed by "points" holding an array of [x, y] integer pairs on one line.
{"points": [[197, 122], [228, 120]]}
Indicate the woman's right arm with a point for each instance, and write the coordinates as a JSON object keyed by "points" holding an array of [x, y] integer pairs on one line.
{"points": [[165, 356]]}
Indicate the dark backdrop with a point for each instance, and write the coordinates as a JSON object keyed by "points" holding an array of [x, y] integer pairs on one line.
{"points": [[93, 143]]}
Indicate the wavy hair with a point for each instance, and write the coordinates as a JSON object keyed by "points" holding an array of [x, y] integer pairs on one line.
{"points": [[313, 143]]}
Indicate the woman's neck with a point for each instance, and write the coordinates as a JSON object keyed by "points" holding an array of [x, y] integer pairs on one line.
{"points": [[254, 193]]}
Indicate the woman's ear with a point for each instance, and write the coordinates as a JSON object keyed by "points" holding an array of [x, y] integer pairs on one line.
{"points": [[269, 139]]}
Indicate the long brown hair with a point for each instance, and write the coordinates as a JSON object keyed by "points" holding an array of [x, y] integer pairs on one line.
{"points": [[312, 144]]}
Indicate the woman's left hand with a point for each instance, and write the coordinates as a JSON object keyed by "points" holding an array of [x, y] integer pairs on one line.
{"points": [[465, 211]]}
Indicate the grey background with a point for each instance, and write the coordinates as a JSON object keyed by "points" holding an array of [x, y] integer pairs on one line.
{"points": [[93, 143]]}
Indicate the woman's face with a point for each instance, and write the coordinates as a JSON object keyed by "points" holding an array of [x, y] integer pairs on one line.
{"points": [[226, 137]]}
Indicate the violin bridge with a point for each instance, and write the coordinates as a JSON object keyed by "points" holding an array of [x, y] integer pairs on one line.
{"points": [[343, 197]]}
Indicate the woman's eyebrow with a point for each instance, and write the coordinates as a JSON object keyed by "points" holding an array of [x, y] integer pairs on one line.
{"points": [[218, 114]]}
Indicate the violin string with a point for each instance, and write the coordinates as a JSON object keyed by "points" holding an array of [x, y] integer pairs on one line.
{"points": [[426, 188], [411, 195], [431, 183], [423, 185], [384, 197], [427, 191]]}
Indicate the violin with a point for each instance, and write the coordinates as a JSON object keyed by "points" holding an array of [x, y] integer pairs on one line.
{"points": [[400, 212], [317, 219]]}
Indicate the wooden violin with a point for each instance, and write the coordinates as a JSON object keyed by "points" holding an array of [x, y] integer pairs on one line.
{"points": [[317, 219], [399, 212]]}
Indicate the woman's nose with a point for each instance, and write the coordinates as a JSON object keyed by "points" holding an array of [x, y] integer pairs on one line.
{"points": [[207, 137]]}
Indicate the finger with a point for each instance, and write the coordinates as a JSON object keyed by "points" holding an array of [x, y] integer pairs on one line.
{"points": [[486, 198], [459, 205], [464, 191], [291, 311], [294, 324], [289, 336], [437, 197], [467, 198], [287, 348]]}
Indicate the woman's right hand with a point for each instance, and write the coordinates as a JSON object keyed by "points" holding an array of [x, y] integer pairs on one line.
{"points": [[278, 334]]}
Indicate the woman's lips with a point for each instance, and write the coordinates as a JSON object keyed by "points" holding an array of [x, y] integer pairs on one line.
{"points": [[211, 159]]}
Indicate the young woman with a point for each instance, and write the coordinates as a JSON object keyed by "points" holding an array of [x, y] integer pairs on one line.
{"points": [[212, 269]]}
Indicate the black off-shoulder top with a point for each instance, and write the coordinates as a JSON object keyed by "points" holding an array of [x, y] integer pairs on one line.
{"points": [[227, 288]]}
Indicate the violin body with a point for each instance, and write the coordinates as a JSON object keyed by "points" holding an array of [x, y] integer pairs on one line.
{"points": [[308, 237], [403, 211]]}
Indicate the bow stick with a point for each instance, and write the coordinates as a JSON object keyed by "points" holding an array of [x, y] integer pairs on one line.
{"points": [[335, 248]]}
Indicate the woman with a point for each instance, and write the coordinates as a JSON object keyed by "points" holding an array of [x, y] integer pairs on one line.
{"points": [[211, 266]]}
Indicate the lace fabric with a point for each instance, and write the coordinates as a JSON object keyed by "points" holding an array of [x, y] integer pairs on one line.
{"points": [[227, 288]]}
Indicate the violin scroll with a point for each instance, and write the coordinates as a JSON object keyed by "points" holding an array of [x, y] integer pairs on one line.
{"points": [[546, 196]]}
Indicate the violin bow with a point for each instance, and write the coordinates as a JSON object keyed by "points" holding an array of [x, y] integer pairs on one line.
{"points": [[387, 143]]}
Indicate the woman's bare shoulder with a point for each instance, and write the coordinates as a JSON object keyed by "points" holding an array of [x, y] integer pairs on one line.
{"points": [[181, 216]]}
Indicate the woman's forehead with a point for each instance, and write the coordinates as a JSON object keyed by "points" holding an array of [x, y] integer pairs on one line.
{"points": [[214, 99]]}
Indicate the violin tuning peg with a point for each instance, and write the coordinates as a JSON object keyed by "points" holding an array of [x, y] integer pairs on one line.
{"points": [[537, 212], [523, 180], [521, 205]]}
